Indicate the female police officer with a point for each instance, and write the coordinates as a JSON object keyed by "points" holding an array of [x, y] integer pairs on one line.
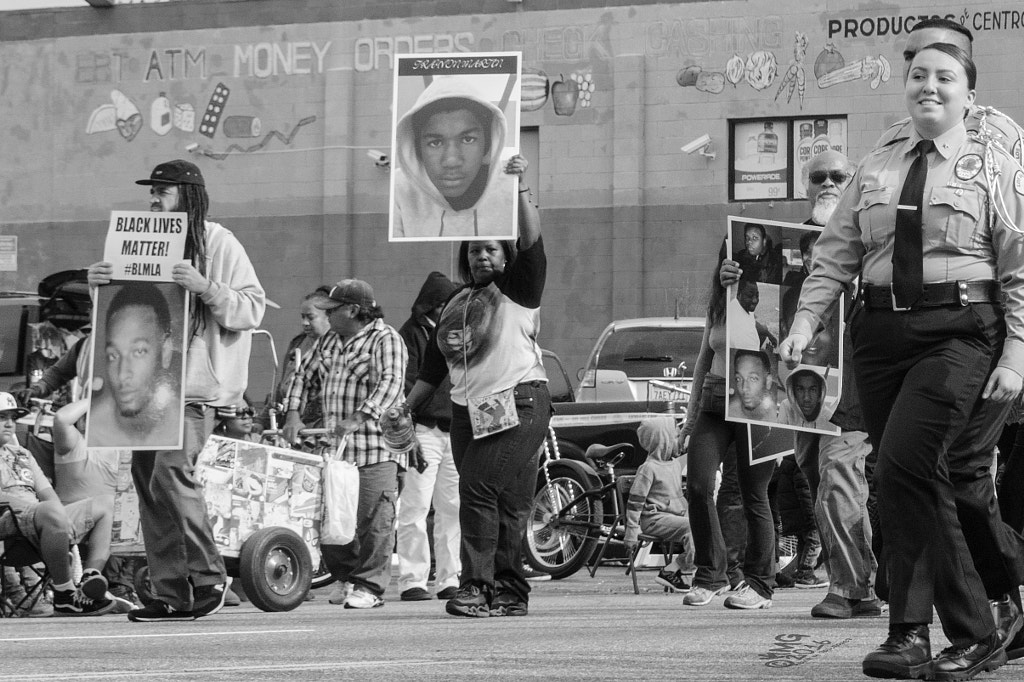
{"points": [[931, 225]]}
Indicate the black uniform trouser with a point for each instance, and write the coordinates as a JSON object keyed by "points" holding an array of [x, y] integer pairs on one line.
{"points": [[920, 375]]}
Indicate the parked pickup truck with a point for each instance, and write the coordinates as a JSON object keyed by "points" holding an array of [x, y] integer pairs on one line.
{"points": [[578, 425]]}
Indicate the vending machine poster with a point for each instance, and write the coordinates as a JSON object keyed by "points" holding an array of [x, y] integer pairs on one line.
{"points": [[811, 137], [759, 162], [455, 125], [774, 258]]}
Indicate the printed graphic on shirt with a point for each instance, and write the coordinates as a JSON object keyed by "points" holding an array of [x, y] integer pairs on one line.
{"points": [[476, 339], [968, 166], [16, 473], [1018, 182]]}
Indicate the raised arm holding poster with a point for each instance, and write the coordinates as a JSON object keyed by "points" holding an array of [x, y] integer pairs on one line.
{"points": [[139, 325], [456, 122], [774, 257]]}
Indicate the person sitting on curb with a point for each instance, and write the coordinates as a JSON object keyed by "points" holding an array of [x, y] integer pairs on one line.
{"points": [[51, 527]]}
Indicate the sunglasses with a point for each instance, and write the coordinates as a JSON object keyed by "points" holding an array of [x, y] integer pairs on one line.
{"points": [[837, 176], [247, 412]]}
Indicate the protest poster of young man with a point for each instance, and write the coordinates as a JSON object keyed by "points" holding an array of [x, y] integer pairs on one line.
{"points": [[774, 257], [139, 326], [456, 123]]}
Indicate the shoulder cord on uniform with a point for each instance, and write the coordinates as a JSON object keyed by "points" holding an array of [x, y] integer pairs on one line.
{"points": [[992, 172]]}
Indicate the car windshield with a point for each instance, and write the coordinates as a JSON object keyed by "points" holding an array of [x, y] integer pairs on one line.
{"points": [[646, 353]]}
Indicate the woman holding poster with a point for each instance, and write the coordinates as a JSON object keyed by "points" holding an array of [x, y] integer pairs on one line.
{"points": [[485, 341], [710, 437]]}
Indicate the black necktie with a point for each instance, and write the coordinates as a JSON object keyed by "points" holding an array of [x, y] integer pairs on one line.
{"points": [[907, 258]]}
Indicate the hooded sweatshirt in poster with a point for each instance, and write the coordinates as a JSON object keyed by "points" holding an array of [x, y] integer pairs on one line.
{"points": [[447, 180], [808, 405]]}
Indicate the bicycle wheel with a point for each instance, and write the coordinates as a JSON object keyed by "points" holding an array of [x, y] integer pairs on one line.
{"points": [[560, 539]]}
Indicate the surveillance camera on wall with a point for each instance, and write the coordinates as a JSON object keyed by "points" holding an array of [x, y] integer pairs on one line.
{"points": [[381, 159], [696, 145]]}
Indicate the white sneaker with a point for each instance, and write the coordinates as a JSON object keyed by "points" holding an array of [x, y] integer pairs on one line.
{"points": [[339, 593], [747, 598], [361, 599], [702, 596]]}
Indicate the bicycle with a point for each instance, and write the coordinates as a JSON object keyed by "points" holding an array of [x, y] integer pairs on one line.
{"points": [[568, 517]]}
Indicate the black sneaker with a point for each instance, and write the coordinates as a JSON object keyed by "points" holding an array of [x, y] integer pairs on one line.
{"points": [[93, 585], [533, 575], [448, 593], [672, 581], [75, 603], [158, 611], [469, 601], [415, 594], [208, 599], [508, 605]]}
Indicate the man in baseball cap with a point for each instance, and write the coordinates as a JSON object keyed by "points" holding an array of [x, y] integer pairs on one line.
{"points": [[356, 291], [9, 407], [177, 172], [51, 527], [362, 361], [226, 302]]}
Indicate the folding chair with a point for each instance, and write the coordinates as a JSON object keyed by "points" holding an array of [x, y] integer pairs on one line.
{"points": [[18, 552], [617, 533]]}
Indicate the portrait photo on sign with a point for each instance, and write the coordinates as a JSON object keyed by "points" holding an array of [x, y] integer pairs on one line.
{"points": [[137, 366], [455, 125], [774, 259]]}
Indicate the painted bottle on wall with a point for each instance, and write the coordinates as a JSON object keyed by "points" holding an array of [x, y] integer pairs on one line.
{"points": [[160, 115]]}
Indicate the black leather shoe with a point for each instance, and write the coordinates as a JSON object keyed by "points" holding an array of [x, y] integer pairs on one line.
{"points": [[1009, 623], [963, 663], [905, 655]]}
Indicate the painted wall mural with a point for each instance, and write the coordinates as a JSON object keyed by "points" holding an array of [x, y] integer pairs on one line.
{"points": [[759, 69], [209, 110]]}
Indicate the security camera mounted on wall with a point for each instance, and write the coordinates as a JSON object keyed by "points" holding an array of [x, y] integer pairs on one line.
{"points": [[698, 144], [379, 158]]}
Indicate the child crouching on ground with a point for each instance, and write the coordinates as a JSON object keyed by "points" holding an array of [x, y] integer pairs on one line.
{"points": [[657, 506]]}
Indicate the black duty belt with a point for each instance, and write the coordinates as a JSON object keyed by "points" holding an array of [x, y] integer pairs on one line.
{"points": [[935, 295]]}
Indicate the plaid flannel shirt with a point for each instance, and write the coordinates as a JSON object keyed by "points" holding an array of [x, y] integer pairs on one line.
{"points": [[364, 373]]}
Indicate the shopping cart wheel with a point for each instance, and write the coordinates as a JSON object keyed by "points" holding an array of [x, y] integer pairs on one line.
{"points": [[143, 588], [275, 569]]}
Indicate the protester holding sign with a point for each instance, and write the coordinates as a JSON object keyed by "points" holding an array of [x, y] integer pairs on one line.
{"points": [[486, 341], [226, 303]]}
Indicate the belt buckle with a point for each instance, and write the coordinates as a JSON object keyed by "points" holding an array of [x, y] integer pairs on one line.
{"points": [[892, 299]]}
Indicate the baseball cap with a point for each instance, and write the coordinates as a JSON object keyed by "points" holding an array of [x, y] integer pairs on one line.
{"points": [[177, 172], [353, 291], [9, 404]]}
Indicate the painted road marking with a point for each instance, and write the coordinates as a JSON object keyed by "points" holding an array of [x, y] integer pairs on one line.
{"points": [[149, 636], [324, 665]]}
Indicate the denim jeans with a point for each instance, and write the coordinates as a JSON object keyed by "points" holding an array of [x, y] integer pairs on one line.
{"points": [[497, 480], [439, 483], [729, 504], [709, 443], [841, 508], [366, 561], [180, 547]]}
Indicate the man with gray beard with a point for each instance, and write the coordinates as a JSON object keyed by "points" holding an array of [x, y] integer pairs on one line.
{"points": [[834, 465]]}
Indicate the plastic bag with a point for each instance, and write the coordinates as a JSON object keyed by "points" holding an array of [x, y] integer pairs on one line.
{"points": [[341, 500]]}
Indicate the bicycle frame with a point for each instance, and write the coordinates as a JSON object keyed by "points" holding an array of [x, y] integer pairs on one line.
{"points": [[563, 516]]}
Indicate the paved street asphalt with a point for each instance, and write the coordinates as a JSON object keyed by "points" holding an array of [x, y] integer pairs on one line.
{"points": [[578, 628]]}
